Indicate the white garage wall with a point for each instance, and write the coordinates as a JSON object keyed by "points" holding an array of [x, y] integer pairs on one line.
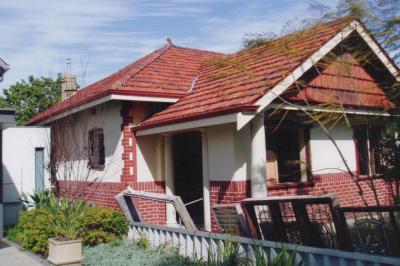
{"points": [[19, 145], [324, 156], [108, 118], [18, 152]]}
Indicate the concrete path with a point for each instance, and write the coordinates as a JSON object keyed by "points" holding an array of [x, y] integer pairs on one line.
{"points": [[12, 255]]}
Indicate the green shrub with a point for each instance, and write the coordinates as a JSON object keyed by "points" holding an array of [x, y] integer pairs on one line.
{"points": [[143, 241], [33, 230], [102, 225], [98, 225]]}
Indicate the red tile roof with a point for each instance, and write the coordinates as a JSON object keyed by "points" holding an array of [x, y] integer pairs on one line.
{"points": [[227, 84], [207, 84], [166, 72]]}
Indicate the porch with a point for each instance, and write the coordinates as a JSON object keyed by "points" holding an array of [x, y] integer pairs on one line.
{"points": [[277, 154]]}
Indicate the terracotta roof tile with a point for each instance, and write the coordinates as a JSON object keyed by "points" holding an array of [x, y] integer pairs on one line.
{"points": [[208, 83], [239, 80], [166, 72]]}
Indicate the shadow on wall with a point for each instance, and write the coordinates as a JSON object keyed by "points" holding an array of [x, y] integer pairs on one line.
{"points": [[71, 142], [12, 204]]}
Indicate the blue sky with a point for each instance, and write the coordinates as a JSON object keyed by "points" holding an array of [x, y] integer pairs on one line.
{"points": [[102, 36]]}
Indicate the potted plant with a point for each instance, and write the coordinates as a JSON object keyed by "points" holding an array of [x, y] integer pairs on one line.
{"points": [[66, 247]]}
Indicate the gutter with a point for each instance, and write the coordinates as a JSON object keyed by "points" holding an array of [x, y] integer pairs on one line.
{"points": [[108, 96], [215, 113]]}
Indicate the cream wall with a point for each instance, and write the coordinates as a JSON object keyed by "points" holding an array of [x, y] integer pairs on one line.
{"points": [[229, 152], [325, 157], [230, 158], [149, 158], [242, 153], [107, 117], [221, 153]]}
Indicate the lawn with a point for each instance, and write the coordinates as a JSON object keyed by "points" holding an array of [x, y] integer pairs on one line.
{"points": [[125, 252]]}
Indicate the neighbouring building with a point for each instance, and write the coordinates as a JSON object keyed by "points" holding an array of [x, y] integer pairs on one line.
{"points": [[23, 153], [3, 68], [223, 127]]}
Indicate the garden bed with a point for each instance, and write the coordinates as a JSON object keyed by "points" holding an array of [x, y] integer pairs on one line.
{"points": [[125, 252]]}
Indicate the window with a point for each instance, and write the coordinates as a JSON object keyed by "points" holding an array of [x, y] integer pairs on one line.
{"points": [[366, 140], [39, 169], [361, 139], [96, 149], [287, 149]]}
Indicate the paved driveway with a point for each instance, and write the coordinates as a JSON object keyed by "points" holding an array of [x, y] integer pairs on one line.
{"points": [[13, 255]]}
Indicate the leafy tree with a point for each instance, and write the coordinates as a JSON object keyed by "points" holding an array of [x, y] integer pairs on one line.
{"points": [[382, 18], [389, 149], [32, 96]]}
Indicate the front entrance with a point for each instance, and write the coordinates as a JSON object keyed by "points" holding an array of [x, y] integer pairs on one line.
{"points": [[188, 173]]}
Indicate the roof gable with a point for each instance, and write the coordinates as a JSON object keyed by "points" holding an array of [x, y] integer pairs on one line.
{"points": [[342, 79], [235, 82]]}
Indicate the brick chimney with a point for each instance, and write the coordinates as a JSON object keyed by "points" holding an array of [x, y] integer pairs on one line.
{"points": [[68, 86]]}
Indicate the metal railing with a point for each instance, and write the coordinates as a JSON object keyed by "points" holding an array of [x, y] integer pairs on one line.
{"points": [[198, 244]]}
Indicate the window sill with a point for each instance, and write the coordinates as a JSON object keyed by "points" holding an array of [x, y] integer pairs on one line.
{"points": [[369, 177], [96, 167], [290, 185]]}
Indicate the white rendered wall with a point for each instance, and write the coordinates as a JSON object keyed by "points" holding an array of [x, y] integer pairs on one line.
{"points": [[147, 156], [325, 157], [18, 152], [228, 150], [243, 153], [228, 154], [108, 118]]}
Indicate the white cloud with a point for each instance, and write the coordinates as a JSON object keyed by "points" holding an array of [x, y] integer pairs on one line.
{"points": [[101, 36]]}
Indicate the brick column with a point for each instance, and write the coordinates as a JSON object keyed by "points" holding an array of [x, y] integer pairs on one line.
{"points": [[128, 176]]}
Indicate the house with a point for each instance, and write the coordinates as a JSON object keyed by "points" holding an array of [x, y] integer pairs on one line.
{"points": [[7, 119], [215, 128], [3, 68]]}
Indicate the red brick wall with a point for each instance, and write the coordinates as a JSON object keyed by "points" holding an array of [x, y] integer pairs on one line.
{"points": [[343, 186], [151, 211], [103, 193], [224, 192]]}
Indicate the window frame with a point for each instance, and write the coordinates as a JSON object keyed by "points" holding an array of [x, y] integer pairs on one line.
{"points": [[96, 161], [303, 133], [370, 152]]}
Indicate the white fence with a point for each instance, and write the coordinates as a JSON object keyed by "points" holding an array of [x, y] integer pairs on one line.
{"points": [[198, 244]]}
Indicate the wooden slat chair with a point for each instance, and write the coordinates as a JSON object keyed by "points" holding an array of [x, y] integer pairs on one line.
{"points": [[230, 219]]}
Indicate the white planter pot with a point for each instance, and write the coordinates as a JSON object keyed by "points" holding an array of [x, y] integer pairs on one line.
{"points": [[65, 252]]}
